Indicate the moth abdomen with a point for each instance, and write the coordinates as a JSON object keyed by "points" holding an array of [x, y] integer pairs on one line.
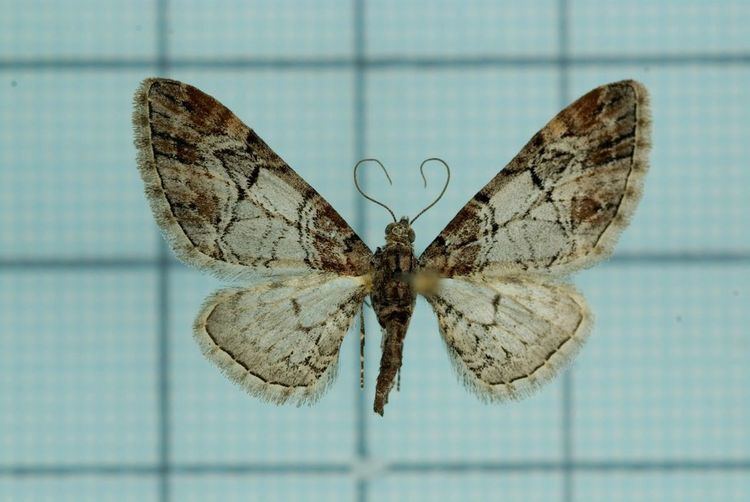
{"points": [[390, 362]]}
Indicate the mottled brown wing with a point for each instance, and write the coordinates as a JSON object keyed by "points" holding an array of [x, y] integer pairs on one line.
{"points": [[224, 200], [563, 200]]}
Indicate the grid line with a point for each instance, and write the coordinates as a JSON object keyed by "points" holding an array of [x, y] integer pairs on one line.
{"points": [[371, 63], [730, 465], [566, 413], [164, 258], [360, 139]]}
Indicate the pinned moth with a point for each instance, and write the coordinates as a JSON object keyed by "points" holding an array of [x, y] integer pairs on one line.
{"points": [[495, 276]]}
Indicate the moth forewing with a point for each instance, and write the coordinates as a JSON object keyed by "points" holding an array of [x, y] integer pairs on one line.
{"points": [[561, 203], [225, 201]]}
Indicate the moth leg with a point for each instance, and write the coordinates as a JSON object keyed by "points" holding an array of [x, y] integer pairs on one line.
{"points": [[362, 347], [398, 380]]}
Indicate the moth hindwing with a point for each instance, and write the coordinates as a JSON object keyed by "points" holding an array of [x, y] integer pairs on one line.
{"points": [[229, 205]]}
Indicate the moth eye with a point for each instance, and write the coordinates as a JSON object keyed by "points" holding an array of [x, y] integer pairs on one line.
{"points": [[388, 228], [412, 236]]}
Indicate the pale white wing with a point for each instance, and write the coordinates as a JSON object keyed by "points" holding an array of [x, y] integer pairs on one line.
{"points": [[280, 340], [511, 334]]}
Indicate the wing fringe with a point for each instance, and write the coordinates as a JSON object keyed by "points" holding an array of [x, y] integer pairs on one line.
{"points": [[633, 185]]}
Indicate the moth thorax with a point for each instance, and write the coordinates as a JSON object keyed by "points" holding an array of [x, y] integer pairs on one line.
{"points": [[399, 232]]}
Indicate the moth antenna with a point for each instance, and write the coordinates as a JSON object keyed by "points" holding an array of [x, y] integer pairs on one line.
{"points": [[445, 187], [356, 184]]}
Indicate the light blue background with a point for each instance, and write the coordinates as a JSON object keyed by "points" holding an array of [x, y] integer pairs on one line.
{"points": [[656, 405]]}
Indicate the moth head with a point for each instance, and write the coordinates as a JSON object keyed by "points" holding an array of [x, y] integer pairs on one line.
{"points": [[399, 231]]}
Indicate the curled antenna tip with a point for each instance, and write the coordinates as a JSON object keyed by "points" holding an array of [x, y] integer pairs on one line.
{"points": [[359, 189], [421, 171], [442, 192]]}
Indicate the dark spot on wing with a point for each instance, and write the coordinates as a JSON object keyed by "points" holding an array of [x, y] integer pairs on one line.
{"points": [[584, 209]]}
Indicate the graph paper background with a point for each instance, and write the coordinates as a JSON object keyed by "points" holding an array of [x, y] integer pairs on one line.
{"points": [[105, 396]]}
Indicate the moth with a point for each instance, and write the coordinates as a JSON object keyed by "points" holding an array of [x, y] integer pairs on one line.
{"points": [[496, 276]]}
